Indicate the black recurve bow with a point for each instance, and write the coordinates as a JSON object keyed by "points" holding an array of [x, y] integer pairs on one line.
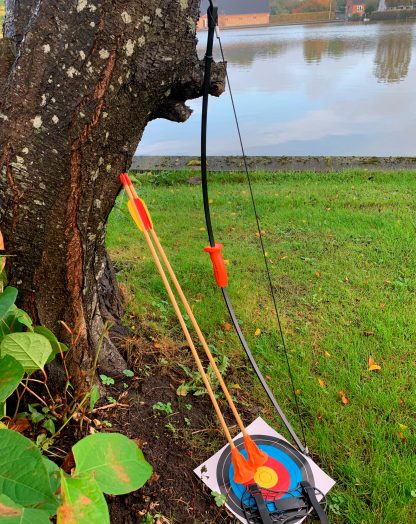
{"points": [[215, 249]]}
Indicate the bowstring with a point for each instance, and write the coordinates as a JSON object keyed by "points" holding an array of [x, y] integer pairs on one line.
{"points": [[262, 244]]}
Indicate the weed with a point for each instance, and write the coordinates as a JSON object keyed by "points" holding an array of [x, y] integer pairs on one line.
{"points": [[42, 417], [162, 407], [336, 503], [220, 498], [195, 385], [107, 381], [171, 427]]}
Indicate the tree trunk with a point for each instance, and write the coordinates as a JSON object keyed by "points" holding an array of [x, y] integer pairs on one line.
{"points": [[88, 77]]}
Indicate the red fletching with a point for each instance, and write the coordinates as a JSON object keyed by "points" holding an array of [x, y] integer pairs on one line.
{"points": [[141, 209]]}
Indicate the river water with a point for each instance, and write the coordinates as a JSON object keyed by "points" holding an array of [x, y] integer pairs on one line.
{"points": [[332, 89]]}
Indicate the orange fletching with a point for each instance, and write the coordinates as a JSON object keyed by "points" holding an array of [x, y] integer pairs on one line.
{"points": [[137, 207]]}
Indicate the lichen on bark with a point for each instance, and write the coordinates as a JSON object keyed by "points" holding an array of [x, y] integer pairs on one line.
{"points": [[87, 78]]}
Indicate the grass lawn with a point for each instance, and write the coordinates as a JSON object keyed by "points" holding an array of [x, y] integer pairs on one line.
{"points": [[342, 251], [1, 17]]}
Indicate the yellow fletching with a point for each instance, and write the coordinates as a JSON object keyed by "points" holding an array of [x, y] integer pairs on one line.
{"points": [[135, 215]]}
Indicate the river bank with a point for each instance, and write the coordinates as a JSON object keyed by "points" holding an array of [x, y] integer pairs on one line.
{"points": [[275, 163]]}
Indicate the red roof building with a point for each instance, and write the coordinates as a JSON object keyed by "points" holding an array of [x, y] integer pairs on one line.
{"points": [[355, 8], [237, 13]]}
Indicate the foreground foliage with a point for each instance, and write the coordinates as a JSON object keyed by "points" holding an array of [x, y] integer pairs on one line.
{"points": [[33, 488], [341, 248]]}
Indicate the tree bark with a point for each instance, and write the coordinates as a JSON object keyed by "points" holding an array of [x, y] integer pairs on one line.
{"points": [[17, 19], [88, 77]]}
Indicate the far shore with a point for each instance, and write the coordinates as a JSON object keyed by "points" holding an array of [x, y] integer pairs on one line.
{"points": [[262, 26]]}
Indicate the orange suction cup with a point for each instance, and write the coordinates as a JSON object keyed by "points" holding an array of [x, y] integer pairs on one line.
{"points": [[243, 472], [256, 457]]}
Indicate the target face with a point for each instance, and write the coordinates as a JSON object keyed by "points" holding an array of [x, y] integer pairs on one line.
{"points": [[283, 471]]}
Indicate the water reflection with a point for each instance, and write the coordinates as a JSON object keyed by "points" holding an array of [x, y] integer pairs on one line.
{"points": [[391, 45], [334, 89], [394, 52], [314, 49], [245, 54]]}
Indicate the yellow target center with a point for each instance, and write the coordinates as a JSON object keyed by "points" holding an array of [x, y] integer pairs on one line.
{"points": [[266, 477]]}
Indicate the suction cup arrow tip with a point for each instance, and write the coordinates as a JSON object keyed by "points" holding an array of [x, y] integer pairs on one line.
{"points": [[256, 457], [243, 472]]}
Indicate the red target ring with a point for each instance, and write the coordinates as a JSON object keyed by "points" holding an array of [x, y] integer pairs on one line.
{"points": [[271, 476]]}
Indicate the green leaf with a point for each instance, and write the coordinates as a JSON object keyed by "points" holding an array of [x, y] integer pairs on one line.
{"points": [[182, 390], [53, 473], [128, 373], [35, 416], [24, 319], [23, 475], [9, 324], [11, 373], [2, 411], [94, 396], [30, 349], [107, 381], [12, 513], [57, 346], [50, 426], [83, 501], [219, 498], [7, 299], [116, 462]]}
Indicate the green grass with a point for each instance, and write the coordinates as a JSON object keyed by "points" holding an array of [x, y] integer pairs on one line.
{"points": [[342, 252], [1, 17]]}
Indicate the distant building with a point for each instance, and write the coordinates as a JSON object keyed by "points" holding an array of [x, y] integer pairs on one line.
{"points": [[235, 13], [355, 8]]}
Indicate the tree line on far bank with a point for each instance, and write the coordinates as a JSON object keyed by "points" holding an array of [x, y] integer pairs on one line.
{"points": [[311, 6]]}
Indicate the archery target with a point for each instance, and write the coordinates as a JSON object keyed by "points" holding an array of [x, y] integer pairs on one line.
{"points": [[283, 471]]}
